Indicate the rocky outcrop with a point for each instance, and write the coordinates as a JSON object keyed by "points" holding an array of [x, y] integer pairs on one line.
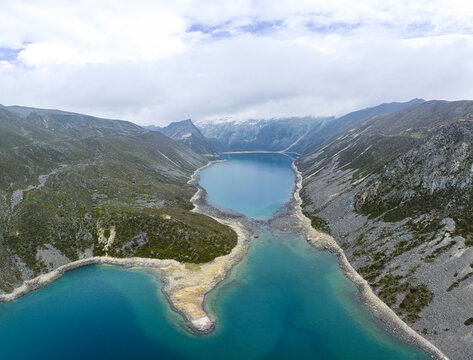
{"points": [[186, 133], [434, 178]]}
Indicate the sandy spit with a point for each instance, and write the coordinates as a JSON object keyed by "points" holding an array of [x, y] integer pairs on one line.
{"points": [[379, 309]]}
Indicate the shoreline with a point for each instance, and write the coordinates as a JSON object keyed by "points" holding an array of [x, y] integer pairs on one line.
{"points": [[212, 273], [49, 277], [259, 152], [184, 284], [377, 307]]}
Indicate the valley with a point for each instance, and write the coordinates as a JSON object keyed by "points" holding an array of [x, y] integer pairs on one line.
{"points": [[227, 180], [388, 185]]}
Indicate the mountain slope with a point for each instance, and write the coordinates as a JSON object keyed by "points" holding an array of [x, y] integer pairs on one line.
{"points": [[396, 194], [338, 126], [300, 135], [72, 124], [186, 133], [73, 186]]}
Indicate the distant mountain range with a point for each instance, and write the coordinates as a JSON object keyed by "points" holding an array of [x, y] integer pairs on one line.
{"points": [[298, 135], [186, 133], [260, 135]]}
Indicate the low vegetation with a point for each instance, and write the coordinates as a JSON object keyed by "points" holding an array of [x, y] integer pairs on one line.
{"points": [[468, 322], [165, 234], [416, 298], [456, 283]]}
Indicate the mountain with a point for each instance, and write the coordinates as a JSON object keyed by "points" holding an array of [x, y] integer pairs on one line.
{"points": [[258, 135], [186, 133], [299, 135], [73, 186], [331, 129], [72, 124], [396, 193]]}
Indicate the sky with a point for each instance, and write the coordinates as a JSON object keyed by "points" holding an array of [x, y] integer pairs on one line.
{"points": [[154, 62]]}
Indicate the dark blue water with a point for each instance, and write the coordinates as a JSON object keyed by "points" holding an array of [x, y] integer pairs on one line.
{"points": [[285, 300]]}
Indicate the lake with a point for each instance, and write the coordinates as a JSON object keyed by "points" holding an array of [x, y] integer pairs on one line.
{"points": [[286, 299]]}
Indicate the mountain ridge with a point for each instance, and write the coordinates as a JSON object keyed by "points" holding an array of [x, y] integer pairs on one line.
{"points": [[188, 134]]}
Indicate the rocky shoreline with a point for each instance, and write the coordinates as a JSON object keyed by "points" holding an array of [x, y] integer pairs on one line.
{"points": [[379, 309]]}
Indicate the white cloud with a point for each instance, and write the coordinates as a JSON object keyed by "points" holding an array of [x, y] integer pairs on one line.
{"points": [[6, 64], [137, 60]]}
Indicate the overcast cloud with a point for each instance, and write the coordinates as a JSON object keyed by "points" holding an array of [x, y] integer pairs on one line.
{"points": [[154, 62]]}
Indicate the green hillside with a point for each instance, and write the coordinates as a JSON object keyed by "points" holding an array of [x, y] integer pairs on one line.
{"points": [[70, 181]]}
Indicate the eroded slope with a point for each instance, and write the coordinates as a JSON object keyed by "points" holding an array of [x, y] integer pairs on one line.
{"points": [[395, 192]]}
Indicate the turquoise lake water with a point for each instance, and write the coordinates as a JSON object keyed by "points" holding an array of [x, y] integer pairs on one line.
{"points": [[253, 184], [285, 300]]}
